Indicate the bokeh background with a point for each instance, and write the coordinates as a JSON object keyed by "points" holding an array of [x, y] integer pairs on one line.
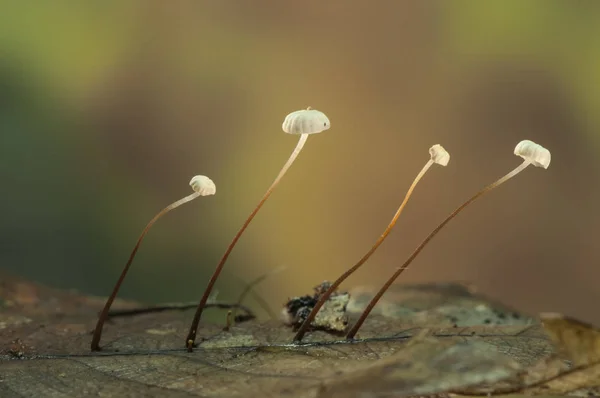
{"points": [[108, 108]]}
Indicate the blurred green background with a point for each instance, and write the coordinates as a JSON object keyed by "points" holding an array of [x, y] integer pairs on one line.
{"points": [[108, 108]]}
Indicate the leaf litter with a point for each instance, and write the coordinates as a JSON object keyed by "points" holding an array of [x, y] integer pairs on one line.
{"points": [[435, 340]]}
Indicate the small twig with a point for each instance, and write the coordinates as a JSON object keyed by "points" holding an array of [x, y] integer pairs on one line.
{"points": [[249, 290], [249, 314], [263, 304]]}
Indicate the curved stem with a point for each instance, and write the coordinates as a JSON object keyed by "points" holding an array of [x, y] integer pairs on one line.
{"points": [[104, 314], [306, 324], [191, 337], [386, 286]]}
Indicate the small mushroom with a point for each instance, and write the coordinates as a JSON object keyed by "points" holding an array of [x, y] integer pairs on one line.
{"points": [[532, 154], [202, 186], [438, 155], [304, 123]]}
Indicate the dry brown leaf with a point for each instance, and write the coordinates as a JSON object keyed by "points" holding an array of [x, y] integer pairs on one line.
{"points": [[437, 303], [428, 367], [48, 355], [579, 343], [575, 341]]}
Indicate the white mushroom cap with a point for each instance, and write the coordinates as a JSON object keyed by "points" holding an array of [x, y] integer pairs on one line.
{"points": [[306, 121], [534, 153], [203, 185], [439, 155]]}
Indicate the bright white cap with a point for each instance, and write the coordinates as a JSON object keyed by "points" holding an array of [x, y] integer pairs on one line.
{"points": [[305, 121], [203, 185], [536, 154], [439, 155]]}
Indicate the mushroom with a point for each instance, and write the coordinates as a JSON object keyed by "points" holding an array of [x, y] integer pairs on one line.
{"points": [[438, 156], [202, 186], [532, 154], [304, 123]]}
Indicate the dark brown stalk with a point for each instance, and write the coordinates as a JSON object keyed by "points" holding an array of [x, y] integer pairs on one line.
{"points": [[191, 337], [390, 281], [325, 296], [95, 345]]}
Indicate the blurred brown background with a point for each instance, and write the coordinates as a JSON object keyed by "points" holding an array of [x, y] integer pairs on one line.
{"points": [[108, 108]]}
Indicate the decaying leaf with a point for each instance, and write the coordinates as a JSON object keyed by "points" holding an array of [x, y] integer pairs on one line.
{"points": [[573, 369], [47, 355], [580, 344], [438, 303], [428, 367], [577, 341]]}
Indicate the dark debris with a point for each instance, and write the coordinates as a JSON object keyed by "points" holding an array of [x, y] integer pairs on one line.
{"points": [[331, 317]]}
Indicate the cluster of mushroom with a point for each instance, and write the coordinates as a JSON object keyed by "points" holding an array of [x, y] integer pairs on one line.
{"points": [[304, 123]]}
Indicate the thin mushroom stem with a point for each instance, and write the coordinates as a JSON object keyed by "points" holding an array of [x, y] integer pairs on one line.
{"points": [[311, 316], [401, 269], [95, 345], [191, 337]]}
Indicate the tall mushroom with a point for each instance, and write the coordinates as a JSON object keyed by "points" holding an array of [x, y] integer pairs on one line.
{"points": [[202, 186], [304, 123], [437, 155], [532, 154]]}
